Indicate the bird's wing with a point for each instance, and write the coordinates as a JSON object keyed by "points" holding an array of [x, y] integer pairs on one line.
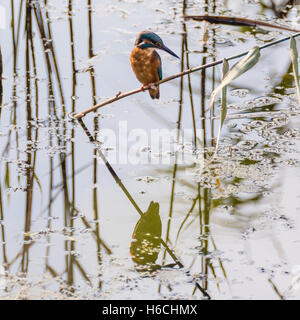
{"points": [[159, 68]]}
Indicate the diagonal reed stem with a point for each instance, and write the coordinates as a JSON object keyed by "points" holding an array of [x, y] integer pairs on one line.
{"points": [[121, 95]]}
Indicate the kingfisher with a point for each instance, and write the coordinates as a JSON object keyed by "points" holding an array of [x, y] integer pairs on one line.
{"points": [[146, 62]]}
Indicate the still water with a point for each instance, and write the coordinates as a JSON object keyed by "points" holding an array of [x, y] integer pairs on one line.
{"points": [[158, 221]]}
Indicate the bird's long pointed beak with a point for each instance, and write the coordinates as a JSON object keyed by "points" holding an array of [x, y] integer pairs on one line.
{"points": [[163, 47]]}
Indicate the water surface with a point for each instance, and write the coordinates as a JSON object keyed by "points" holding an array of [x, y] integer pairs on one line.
{"points": [[68, 230]]}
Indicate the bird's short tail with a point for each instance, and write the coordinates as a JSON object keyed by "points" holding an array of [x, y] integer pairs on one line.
{"points": [[154, 93]]}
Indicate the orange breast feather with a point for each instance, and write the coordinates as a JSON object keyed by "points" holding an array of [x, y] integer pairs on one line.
{"points": [[145, 64]]}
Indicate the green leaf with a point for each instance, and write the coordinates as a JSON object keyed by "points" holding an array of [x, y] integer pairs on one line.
{"points": [[223, 109], [38, 182], [224, 103], [7, 180], [238, 69], [294, 59]]}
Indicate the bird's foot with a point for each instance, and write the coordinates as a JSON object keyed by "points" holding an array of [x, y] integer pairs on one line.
{"points": [[143, 87], [152, 86]]}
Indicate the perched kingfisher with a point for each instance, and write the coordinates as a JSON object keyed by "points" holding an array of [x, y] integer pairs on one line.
{"points": [[146, 62]]}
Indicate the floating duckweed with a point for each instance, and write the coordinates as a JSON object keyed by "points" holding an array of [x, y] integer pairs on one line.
{"points": [[241, 93]]}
